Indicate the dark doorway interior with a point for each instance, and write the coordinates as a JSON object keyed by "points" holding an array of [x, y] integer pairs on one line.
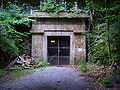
{"points": [[59, 50]]}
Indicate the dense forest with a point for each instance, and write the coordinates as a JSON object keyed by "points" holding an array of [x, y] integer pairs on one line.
{"points": [[102, 37], [104, 32]]}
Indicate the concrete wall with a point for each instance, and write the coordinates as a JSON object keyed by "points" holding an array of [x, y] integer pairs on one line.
{"points": [[80, 48], [63, 24], [72, 27], [37, 46]]}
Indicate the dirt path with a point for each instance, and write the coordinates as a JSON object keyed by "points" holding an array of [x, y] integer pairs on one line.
{"points": [[50, 78]]}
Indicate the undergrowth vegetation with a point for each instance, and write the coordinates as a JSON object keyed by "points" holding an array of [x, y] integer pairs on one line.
{"points": [[15, 72], [43, 63], [100, 75], [50, 6], [103, 36], [84, 68], [11, 39]]}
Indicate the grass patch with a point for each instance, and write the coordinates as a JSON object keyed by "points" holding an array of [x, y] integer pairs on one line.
{"points": [[12, 74], [17, 74], [22, 73]]}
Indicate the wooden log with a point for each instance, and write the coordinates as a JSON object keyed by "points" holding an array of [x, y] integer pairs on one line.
{"points": [[13, 62]]}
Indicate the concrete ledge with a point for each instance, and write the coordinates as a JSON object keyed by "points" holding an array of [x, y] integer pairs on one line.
{"points": [[33, 17], [33, 32], [78, 31], [61, 14]]}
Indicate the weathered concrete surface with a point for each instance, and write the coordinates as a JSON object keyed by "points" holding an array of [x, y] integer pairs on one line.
{"points": [[59, 26], [50, 78], [37, 46], [80, 48]]}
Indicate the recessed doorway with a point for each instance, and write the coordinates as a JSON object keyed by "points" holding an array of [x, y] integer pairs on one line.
{"points": [[58, 48]]}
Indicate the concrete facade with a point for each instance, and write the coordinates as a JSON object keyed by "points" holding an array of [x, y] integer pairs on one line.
{"points": [[59, 26]]}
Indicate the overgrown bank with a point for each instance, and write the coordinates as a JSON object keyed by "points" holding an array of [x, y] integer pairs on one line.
{"points": [[11, 40], [102, 77], [14, 72]]}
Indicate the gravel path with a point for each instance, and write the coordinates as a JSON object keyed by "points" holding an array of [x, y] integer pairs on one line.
{"points": [[50, 78]]}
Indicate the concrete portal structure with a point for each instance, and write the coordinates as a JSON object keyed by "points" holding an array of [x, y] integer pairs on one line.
{"points": [[59, 40]]}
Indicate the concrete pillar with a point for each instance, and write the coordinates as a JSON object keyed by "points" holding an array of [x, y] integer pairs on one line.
{"points": [[80, 48], [37, 46]]}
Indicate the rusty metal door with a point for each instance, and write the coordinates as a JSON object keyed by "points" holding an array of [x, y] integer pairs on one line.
{"points": [[59, 50]]}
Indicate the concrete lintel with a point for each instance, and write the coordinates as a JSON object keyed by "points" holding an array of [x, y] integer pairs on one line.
{"points": [[36, 32], [78, 31], [58, 30]]}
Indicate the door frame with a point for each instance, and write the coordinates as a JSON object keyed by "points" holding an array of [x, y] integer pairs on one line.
{"points": [[72, 43], [59, 46]]}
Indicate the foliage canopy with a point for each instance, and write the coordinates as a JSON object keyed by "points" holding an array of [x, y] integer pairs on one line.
{"points": [[103, 37]]}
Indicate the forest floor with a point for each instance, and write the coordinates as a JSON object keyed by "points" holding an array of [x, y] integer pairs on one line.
{"points": [[94, 73]]}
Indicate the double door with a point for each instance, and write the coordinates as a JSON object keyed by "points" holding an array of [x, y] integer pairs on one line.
{"points": [[58, 50]]}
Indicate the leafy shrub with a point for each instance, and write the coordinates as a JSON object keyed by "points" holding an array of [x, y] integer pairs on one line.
{"points": [[106, 80], [105, 34], [84, 68], [50, 6], [43, 63], [11, 39], [118, 80], [2, 72]]}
